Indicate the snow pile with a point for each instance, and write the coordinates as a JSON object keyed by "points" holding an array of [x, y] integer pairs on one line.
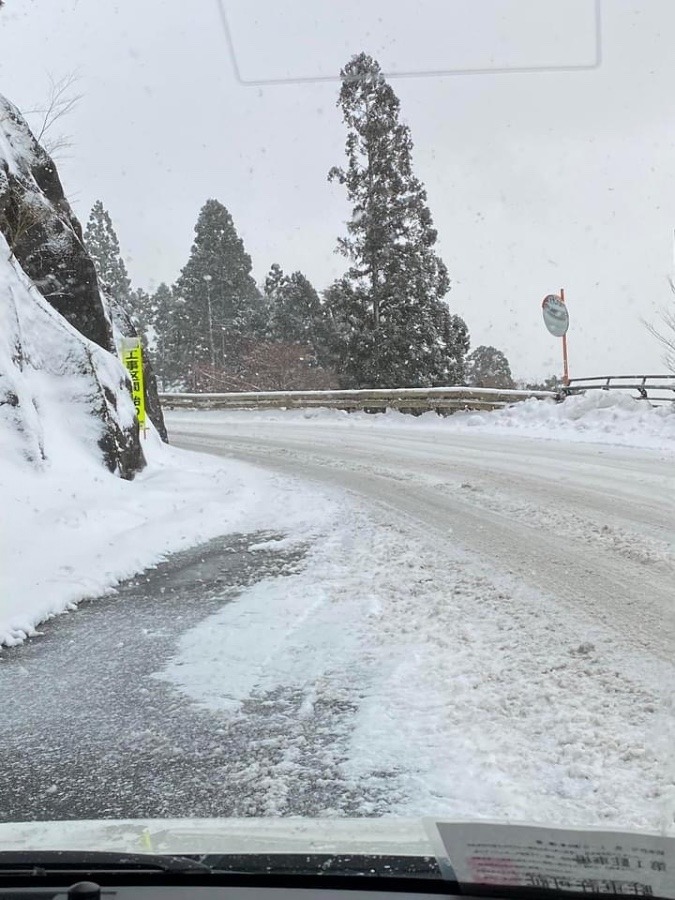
{"points": [[73, 531], [602, 416]]}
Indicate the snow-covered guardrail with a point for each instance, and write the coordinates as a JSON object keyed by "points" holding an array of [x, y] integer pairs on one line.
{"points": [[419, 399], [655, 388]]}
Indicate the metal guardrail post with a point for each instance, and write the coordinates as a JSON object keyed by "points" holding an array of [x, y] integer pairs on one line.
{"points": [[647, 387]]}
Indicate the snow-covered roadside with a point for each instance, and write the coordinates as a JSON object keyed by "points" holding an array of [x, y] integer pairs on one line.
{"points": [[468, 694], [603, 417], [456, 690], [71, 530]]}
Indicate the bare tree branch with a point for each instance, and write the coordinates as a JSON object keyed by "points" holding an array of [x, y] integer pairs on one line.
{"points": [[665, 333], [61, 101], [259, 365]]}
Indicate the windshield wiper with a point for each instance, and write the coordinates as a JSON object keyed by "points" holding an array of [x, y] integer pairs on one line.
{"points": [[347, 865], [319, 871], [39, 863]]}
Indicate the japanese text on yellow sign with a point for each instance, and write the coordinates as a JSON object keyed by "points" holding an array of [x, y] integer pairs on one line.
{"points": [[132, 357]]}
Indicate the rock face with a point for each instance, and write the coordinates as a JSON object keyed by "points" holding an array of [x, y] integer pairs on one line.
{"points": [[60, 394], [44, 234], [42, 239]]}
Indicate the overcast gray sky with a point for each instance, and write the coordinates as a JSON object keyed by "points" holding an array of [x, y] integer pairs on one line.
{"points": [[536, 180]]}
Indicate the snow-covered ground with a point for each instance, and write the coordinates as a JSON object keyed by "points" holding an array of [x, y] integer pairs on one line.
{"points": [[488, 615], [71, 530], [496, 611], [474, 695]]}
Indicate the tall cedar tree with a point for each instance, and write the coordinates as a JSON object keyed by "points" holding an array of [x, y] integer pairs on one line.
{"points": [[102, 244], [216, 302], [166, 323], [142, 314], [293, 307], [390, 325]]}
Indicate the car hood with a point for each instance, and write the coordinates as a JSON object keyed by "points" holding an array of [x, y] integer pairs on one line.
{"points": [[390, 837], [486, 853]]}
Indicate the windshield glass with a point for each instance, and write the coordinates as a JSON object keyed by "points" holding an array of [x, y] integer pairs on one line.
{"points": [[336, 416]]}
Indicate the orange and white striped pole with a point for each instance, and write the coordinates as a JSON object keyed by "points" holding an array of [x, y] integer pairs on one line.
{"points": [[566, 368]]}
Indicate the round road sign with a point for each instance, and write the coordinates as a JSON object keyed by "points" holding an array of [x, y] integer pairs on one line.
{"points": [[556, 317]]}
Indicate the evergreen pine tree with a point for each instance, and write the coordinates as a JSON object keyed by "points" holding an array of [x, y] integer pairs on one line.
{"points": [[171, 327], [162, 304], [216, 301], [293, 307], [103, 246], [488, 367], [390, 326], [101, 241], [142, 314], [274, 281]]}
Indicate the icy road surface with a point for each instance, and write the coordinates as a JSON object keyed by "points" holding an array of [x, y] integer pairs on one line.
{"points": [[401, 617], [89, 732], [496, 613]]}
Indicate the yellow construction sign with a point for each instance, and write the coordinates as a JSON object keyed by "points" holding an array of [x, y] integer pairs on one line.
{"points": [[132, 357]]}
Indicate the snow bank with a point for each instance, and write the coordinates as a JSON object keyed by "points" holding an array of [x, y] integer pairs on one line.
{"points": [[611, 417], [606, 417], [73, 531]]}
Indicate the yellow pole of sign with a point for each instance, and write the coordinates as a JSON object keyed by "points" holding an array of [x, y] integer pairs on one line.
{"points": [[132, 358]]}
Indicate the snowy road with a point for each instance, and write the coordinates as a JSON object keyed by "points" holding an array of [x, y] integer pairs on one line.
{"points": [[590, 526], [89, 732], [497, 611], [442, 622]]}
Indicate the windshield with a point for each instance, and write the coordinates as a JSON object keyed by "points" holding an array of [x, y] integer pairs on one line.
{"points": [[336, 416]]}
